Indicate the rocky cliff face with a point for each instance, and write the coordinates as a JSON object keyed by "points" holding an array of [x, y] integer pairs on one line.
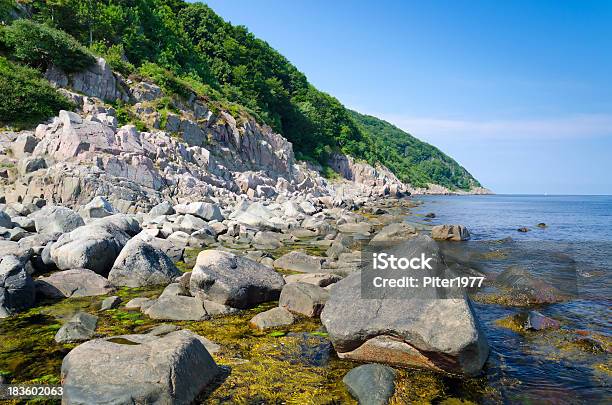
{"points": [[189, 152]]}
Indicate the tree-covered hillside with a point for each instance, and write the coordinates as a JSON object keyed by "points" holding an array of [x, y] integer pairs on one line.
{"points": [[194, 47]]}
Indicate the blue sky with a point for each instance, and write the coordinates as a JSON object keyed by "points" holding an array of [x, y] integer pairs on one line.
{"points": [[518, 92]]}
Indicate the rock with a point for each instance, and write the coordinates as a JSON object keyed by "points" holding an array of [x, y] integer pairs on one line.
{"points": [[163, 208], [31, 164], [73, 283], [537, 321], [213, 308], [310, 349], [141, 303], [336, 249], [371, 384], [24, 144], [5, 220], [204, 210], [173, 251], [258, 216], [123, 222], [318, 279], [523, 229], [362, 228], [272, 318], [450, 232], [177, 308], [395, 233], [542, 225], [303, 298], [138, 369], [81, 326], [430, 215], [232, 280], [440, 334], [110, 303], [25, 223], [141, 264], [94, 246], [163, 329], [16, 287], [526, 289], [99, 207], [56, 219], [299, 261], [267, 240], [189, 223]]}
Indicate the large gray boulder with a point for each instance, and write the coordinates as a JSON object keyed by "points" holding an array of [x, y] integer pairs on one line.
{"points": [[73, 283], [303, 298], [204, 210], [57, 219], [299, 261], [440, 334], [233, 280], [273, 318], [16, 286], [395, 233], [99, 207], [94, 247], [82, 326], [141, 264], [371, 384], [5, 220], [177, 308], [138, 369]]}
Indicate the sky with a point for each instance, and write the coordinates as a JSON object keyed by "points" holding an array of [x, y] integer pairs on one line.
{"points": [[518, 92]]}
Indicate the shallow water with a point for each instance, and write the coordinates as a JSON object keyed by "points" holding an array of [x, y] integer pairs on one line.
{"points": [[569, 366]]}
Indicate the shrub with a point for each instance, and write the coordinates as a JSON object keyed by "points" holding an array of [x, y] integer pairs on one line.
{"points": [[25, 98], [40, 46], [115, 57]]}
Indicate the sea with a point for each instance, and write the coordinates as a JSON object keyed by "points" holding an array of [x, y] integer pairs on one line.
{"points": [[572, 365]]}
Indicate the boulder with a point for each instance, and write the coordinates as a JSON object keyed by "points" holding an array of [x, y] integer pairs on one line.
{"points": [[24, 144], [163, 208], [303, 298], [81, 326], [371, 384], [526, 289], [138, 369], [204, 210], [440, 334], [267, 240], [233, 280], [110, 303], [450, 232], [94, 246], [537, 321], [273, 318], [16, 286], [141, 303], [5, 220], [395, 233], [318, 279], [177, 308], [56, 219], [299, 261], [99, 207], [73, 283], [190, 223], [142, 264], [362, 228], [31, 164]]}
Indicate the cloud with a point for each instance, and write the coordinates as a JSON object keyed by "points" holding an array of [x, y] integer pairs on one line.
{"points": [[570, 127]]}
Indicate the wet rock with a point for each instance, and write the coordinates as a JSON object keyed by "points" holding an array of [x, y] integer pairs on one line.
{"points": [[542, 225], [110, 303], [440, 334], [94, 246], [450, 232], [523, 229], [233, 280], [80, 327], [73, 283], [394, 233], [537, 321], [127, 369], [525, 289], [318, 279], [177, 308], [310, 349], [16, 286], [303, 298], [142, 264], [56, 219], [299, 261], [273, 318], [430, 215], [371, 384], [99, 207]]}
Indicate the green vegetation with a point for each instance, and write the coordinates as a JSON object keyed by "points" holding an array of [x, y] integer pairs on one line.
{"points": [[412, 160], [40, 46], [189, 50], [25, 98]]}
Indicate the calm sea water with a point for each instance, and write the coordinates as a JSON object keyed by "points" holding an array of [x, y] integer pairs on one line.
{"points": [[549, 366]]}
